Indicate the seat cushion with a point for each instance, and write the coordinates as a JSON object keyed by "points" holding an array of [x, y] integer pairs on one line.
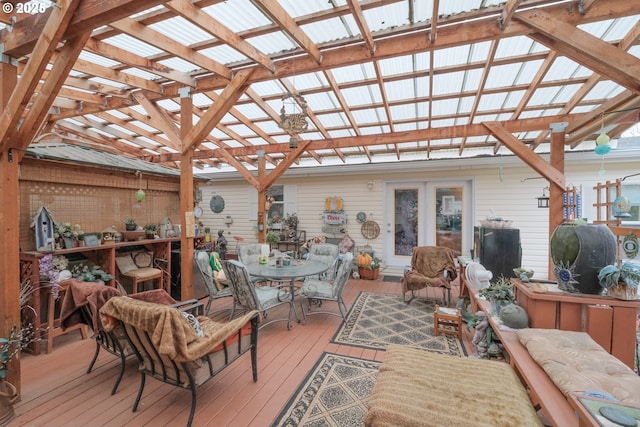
{"points": [[317, 288], [144, 273]]}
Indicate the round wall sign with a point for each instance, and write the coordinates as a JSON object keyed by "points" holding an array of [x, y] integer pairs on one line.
{"points": [[217, 204], [370, 229]]}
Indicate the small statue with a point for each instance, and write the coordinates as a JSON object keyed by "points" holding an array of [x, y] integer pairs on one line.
{"points": [[480, 336], [221, 244]]}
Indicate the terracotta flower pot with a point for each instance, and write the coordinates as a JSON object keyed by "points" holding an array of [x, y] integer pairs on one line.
{"points": [[368, 273]]}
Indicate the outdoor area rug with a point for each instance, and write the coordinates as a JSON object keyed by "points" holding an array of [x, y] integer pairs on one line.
{"points": [[376, 320], [334, 394]]}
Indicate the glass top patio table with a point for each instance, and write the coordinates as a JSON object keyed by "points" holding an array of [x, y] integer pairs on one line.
{"points": [[299, 269]]}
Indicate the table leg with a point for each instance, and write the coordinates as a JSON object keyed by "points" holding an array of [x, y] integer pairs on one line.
{"points": [[292, 289]]}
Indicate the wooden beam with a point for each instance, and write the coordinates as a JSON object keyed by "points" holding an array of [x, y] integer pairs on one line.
{"points": [[278, 15], [186, 201], [365, 32], [159, 119], [532, 159], [507, 13], [207, 23], [282, 167], [40, 107], [20, 40], [216, 112], [582, 47], [433, 31], [39, 59]]}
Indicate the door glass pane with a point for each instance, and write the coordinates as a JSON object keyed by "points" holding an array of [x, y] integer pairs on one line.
{"points": [[406, 221], [449, 218]]}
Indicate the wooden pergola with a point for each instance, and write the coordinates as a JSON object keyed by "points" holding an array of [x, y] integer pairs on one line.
{"points": [[50, 92]]}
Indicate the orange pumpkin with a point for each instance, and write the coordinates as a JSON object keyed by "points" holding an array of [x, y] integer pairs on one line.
{"points": [[364, 259]]}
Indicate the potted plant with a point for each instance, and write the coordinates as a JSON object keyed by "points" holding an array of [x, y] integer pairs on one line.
{"points": [[130, 224], [499, 293], [91, 274], [368, 266], [150, 230], [9, 347], [620, 281], [273, 238]]}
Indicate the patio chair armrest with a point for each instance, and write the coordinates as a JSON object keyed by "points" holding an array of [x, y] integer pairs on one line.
{"points": [[192, 306]]}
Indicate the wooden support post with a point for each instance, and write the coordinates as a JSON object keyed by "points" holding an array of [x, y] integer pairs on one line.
{"points": [[262, 214], [556, 193], [186, 199], [9, 226]]}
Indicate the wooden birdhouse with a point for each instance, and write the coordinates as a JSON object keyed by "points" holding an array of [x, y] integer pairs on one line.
{"points": [[44, 226]]}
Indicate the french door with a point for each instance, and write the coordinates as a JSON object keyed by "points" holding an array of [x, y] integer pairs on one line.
{"points": [[427, 213]]}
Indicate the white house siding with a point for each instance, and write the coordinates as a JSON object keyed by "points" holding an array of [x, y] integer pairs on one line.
{"points": [[509, 195]]}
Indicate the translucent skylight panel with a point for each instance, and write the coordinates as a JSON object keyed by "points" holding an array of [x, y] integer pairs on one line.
{"points": [[526, 73], [122, 130], [457, 55], [402, 65], [108, 82], [353, 73], [297, 8], [304, 82], [512, 99], [543, 96], [514, 46], [404, 127], [95, 118], [362, 95], [252, 111], [181, 30], [180, 64], [140, 73], [374, 130], [133, 45], [97, 59], [269, 127], [321, 101], [143, 125], [272, 43], [612, 29], [118, 114], [242, 130], [169, 105], [201, 100], [491, 102], [635, 51], [369, 115], [268, 88], [341, 133], [602, 90], [485, 118], [402, 112], [387, 16], [326, 30], [445, 107], [224, 54], [399, 90], [449, 83], [472, 79], [502, 75], [563, 68], [238, 16], [147, 11]]}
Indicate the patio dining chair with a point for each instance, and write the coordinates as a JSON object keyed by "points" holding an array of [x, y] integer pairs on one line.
{"points": [[431, 266], [215, 288], [249, 297], [327, 253], [315, 290]]}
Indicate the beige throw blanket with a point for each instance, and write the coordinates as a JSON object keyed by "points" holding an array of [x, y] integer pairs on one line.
{"points": [[170, 332]]}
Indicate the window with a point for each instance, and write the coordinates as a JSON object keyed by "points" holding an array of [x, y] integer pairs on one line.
{"points": [[276, 212], [285, 201]]}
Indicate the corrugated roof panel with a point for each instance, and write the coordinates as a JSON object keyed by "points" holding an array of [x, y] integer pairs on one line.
{"points": [[635, 51], [402, 64], [108, 82], [387, 16], [188, 34], [502, 75], [201, 100], [97, 59], [133, 45], [513, 98], [251, 110], [118, 114], [456, 55], [402, 112], [272, 43], [399, 90], [304, 82], [472, 79], [602, 90], [491, 101], [169, 104], [242, 130], [144, 126], [516, 46], [449, 83], [369, 115], [527, 72], [140, 73], [612, 29], [326, 30], [341, 133], [95, 118], [179, 64], [564, 68], [362, 95], [353, 73], [121, 129], [297, 8], [445, 107], [224, 54], [268, 88], [374, 130], [479, 118], [239, 16], [321, 101]]}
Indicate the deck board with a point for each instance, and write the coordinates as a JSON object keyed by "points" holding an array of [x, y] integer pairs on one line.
{"points": [[56, 390]]}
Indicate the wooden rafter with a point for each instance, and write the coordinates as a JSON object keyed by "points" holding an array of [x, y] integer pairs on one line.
{"points": [[159, 119], [507, 13], [361, 22]]}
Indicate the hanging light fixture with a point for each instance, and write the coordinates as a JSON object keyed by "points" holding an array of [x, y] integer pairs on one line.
{"points": [[293, 117], [543, 201]]}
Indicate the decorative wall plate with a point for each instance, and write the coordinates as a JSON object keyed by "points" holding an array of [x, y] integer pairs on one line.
{"points": [[197, 212], [217, 204], [361, 217], [370, 229], [630, 245]]}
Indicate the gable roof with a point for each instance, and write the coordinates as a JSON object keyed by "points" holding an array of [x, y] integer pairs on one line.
{"points": [[384, 80]]}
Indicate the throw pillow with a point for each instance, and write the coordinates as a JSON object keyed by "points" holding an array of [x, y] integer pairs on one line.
{"points": [[193, 321], [346, 244]]}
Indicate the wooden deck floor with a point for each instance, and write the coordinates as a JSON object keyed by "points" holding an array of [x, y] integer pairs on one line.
{"points": [[57, 391]]}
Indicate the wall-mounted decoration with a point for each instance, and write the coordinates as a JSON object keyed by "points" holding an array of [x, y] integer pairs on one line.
{"points": [[370, 229], [334, 218], [216, 204], [630, 245], [361, 217]]}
